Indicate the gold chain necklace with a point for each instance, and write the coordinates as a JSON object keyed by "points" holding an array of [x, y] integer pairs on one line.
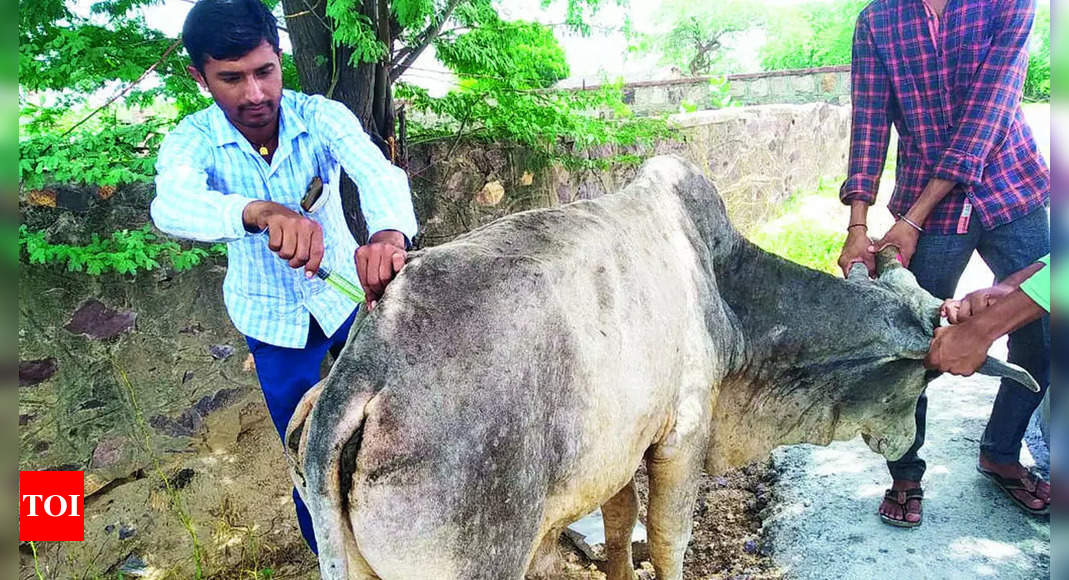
{"points": [[263, 151]]}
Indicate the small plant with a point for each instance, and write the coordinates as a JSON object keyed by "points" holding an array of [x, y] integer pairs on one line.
{"points": [[124, 252], [143, 435], [720, 93]]}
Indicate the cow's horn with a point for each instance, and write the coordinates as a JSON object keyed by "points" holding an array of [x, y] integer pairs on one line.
{"points": [[858, 272], [887, 260], [993, 367]]}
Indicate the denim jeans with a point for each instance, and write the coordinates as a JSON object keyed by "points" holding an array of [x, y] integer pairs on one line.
{"points": [[938, 264], [286, 374]]}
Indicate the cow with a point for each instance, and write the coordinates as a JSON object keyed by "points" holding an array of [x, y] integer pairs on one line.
{"points": [[512, 380]]}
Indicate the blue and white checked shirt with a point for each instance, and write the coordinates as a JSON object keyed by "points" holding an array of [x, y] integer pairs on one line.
{"points": [[207, 172]]}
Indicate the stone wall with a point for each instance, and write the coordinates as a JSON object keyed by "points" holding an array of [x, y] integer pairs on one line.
{"points": [[756, 156], [815, 85]]}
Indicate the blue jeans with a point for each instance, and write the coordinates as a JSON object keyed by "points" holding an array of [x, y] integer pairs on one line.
{"points": [[286, 374], [938, 264]]}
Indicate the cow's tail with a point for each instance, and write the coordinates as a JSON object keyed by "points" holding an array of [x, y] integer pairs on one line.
{"points": [[321, 445]]}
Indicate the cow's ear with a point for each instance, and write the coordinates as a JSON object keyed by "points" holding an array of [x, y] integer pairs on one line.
{"points": [[891, 275]]}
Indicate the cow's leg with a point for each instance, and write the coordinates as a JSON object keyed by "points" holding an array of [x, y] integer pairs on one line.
{"points": [[673, 474], [547, 561], [620, 514]]}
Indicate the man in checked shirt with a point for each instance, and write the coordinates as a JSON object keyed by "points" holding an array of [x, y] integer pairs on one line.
{"points": [[948, 74], [236, 172]]}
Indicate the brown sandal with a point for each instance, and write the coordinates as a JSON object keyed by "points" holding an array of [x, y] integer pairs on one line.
{"points": [[901, 498], [1010, 485]]}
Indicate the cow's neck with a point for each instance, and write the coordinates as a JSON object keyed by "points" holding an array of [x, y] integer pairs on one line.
{"points": [[786, 317]]}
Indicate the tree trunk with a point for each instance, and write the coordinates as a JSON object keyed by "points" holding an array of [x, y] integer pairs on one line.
{"points": [[364, 88]]}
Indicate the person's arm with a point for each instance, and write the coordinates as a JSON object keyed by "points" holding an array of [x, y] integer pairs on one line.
{"points": [[385, 198], [870, 134], [993, 97], [979, 300], [962, 347], [186, 207]]}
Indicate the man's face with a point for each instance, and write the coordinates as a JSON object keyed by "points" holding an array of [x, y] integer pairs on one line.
{"points": [[248, 89]]}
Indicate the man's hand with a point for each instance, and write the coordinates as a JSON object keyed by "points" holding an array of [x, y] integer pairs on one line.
{"points": [[856, 249], [378, 261], [293, 237], [961, 348], [901, 235], [958, 311], [958, 349]]}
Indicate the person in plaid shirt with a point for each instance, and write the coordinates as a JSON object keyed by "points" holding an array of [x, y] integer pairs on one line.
{"points": [[948, 74]]}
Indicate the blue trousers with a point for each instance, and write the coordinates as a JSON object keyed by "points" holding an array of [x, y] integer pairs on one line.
{"points": [[938, 264], [286, 374]]}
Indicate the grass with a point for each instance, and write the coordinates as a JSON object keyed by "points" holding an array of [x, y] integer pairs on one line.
{"points": [[808, 229], [143, 435]]}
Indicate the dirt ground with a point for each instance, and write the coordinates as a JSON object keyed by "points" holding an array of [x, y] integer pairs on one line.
{"points": [[728, 541]]}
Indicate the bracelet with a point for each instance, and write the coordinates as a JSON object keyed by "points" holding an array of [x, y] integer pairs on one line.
{"points": [[856, 225], [910, 222]]}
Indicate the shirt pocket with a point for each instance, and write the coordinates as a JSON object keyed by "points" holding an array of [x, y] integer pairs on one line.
{"points": [[971, 56]]}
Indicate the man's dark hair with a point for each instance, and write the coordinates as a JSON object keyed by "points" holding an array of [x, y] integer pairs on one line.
{"points": [[227, 29]]}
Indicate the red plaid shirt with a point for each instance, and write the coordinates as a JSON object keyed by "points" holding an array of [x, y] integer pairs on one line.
{"points": [[952, 87]]}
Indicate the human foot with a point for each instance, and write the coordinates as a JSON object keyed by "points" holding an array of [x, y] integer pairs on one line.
{"points": [[1025, 488], [901, 505]]}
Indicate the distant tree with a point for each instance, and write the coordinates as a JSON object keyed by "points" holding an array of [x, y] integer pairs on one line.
{"points": [[812, 34], [697, 33]]}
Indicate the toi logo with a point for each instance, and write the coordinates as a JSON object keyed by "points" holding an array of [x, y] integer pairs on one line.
{"points": [[51, 506]]}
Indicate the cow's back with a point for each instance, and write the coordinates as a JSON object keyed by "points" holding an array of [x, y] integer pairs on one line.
{"points": [[521, 372]]}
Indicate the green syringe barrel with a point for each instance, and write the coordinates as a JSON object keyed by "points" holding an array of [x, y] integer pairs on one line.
{"points": [[339, 283]]}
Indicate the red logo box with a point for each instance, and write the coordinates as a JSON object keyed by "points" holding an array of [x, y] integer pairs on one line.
{"points": [[51, 506]]}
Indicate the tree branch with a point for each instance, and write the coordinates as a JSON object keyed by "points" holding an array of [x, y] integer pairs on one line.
{"points": [[116, 96], [432, 31]]}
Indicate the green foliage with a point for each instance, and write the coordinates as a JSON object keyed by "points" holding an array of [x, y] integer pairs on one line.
{"points": [[699, 33], [1037, 78], [720, 93], [553, 123], [353, 28], [412, 13], [797, 236], [505, 55], [124, 252], [719, 97], [504, 71], [816, 33], [61, 51], [118, 154]]}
